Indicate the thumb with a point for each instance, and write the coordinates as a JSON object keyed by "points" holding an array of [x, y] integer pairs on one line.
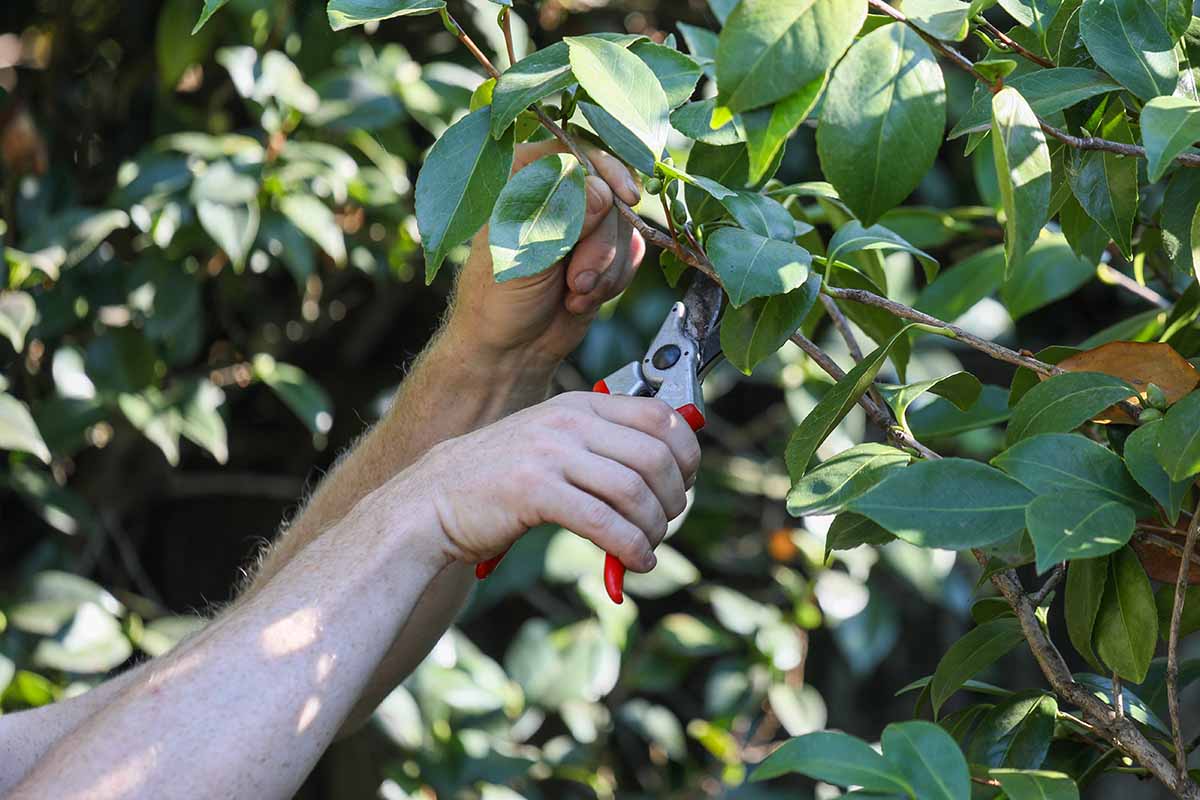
{"points": [[599, 202]]}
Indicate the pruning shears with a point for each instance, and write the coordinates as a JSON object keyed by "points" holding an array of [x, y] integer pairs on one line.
{"points": [[681, 355]]}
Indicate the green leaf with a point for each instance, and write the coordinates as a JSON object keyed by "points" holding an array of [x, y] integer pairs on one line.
{"points": [[624, 87], [751, 265], [1169, 127], [835, 404], [1016, 733], [877, 323], [298, 391], [1177, 218], [853, 238], [960, 388], [851, 530], [828, 487], [1178, 449], [210, 7], [930, 759], [959, 288], [93, 643], [538, 75], [1086, 580], [1063, 402], [1033, 14], [942, 418], [348, 13], [1131, 43], [1165, 601], [1106, 184], [1023, 168], [1046, 90], [1126, 632], [1033, 785], [1140, 458], [1066, 462], [948, 20], [727, 166], [761, 215], [753, 332], [835, 758], [978, 649], [457, 188], [692, 120], [18, 312], [882, 121], [768, 129], [538, 217], [1068, 525], [676, 73], [1050, 271], [951, 504], [1137, 709], [771, 49], [18, 430], [702, 44], [314, 219]]}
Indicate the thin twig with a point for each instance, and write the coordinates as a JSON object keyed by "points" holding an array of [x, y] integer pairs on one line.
{"points": [[1055, 578], [1118, 694], [1181, 585], [1167, 544], [506, 26], [1015, 46], [1118, 278], [847, 333]]}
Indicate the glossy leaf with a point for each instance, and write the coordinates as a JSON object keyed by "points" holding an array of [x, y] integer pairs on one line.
{"points": [[761, 215], [942, 418], [1170, 125], [960, 287], [538, 217], [978, 649], [348, 13], [853, 237], [1033, 14], [1048, 272], [1035, 785], [835, 758], [1137, 709], [1016, 733], [767, 130], [882, 121], [314, 219], [960, 388], [771, 49], [835, 404], [1086, 581], [1126, 632], [459, 184], [948, 20], [692, 120], [1131, 43], [1106, 184], [1068, 525], [728, 166], [1140, 458], [1164, 599], [828, 487], [676, 73], [1178, 448], [624, 88], [1066, 462], [929, 758], [851, 530], [210, 7], [298, 391], [754, 331], [1023, 168], [1064, 402], [1046, 91], [751, 265], [951, 504], [18, 311], [1140, 364]]}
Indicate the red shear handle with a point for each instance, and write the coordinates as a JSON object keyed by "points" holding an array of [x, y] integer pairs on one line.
{"points": [[614, 570]]}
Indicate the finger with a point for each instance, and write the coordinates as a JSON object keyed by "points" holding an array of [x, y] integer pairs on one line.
{"points": [[615, 278], [591, 260], [599, 203], [654, 418], [529, 152], [651, 458], [616, 175], [623, 489], [595, 520]]}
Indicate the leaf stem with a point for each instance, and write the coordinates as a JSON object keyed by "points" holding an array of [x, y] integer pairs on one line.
{"points": [[1181, 585], [1016, 46]]}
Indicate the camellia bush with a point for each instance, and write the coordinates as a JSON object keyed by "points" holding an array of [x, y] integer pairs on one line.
{"points": [[1088, 110], [1078, 119]]}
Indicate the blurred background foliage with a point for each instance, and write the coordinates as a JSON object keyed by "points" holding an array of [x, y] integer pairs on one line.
{"points": [[213, 282]]}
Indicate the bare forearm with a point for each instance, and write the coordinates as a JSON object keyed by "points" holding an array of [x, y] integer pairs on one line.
{"points": [[247, 707]]}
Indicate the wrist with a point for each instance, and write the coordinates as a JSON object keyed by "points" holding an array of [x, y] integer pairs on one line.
{"points": [[514, 368]]}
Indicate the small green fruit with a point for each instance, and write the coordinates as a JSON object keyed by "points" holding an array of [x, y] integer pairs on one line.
{"points": [[679, 210], [1156, 397], [653, 186], [1149, 415]]}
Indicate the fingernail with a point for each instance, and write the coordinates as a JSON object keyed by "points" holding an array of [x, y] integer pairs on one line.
{"points": [[585, 282], [595, 198], [631, 187], [651, 562]]}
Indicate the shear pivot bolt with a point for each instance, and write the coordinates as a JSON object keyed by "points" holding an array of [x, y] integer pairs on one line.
{"points": [[666, 356]]}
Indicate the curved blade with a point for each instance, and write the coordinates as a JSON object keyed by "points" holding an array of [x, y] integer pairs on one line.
{"points": [[704, 301]]}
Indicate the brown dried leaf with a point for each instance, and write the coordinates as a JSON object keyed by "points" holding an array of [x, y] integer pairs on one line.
{"points": [[1140, 364], [1161, 563]]}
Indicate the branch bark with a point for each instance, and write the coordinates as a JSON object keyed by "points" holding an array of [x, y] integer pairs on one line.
{"points": [[1181, 585]]}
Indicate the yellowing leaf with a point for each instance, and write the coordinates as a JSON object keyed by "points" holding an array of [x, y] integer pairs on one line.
{"points": [[1139, 364]]}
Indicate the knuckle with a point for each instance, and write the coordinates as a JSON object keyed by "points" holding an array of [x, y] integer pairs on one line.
{"points": [[597, 515], [661, 457], [658, 414], [633, 490], [676, 504]]}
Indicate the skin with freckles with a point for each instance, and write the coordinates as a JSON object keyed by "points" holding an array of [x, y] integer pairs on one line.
{"points": [[245, 707]]}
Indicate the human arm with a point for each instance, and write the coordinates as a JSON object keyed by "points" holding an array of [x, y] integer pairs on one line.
{"points": [[246, 707]]}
